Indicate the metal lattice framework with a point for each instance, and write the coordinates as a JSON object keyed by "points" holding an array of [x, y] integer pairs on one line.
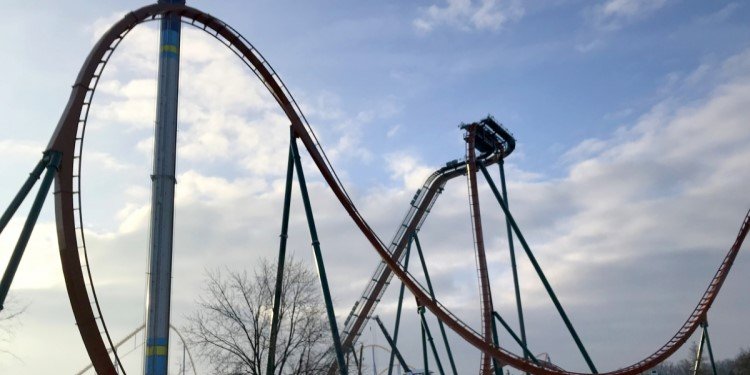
{"points": [[63, 157]]}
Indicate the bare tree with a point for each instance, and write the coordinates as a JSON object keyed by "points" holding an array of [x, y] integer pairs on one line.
{"points": [[741, 364], [8, 324], [232, 326]]}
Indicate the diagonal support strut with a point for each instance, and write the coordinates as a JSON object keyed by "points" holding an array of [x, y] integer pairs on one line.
{"points": [[271, 364], [538, 269], [52, 162], [319, 260]]}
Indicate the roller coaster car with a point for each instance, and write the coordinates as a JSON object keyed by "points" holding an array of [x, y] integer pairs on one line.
{"points": [[453, 163], [492, 137]]}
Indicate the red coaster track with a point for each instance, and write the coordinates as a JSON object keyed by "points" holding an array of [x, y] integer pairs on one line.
{"points": [[69, 133]]}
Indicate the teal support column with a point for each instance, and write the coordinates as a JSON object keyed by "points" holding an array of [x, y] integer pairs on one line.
{"points": [[52, 161], [357, 360], [699, 354], [271, 364], [708, 346], [319, 261], [23, 192], [512, 250], [392, 344], [538, 270], [496, 366], [705, 341], [432, 295], [425, 359], [431, 341], [527, 353], [398, 308]]}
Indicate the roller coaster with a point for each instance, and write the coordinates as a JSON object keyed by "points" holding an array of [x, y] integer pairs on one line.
{"points": [[487, 143]]}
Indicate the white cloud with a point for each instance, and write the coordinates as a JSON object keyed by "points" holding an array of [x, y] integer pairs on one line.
{"points": [[343, 133], [468, 15], [630, 8], [21, 150], [670, 186], [102, 24], [611, 16], [589, 46], [614, 14], [585, 149], [108, 161], [722, 14], [408, 169], [393, 130]]}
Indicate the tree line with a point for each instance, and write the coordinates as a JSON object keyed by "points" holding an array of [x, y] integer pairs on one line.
{"points": [[739, 365]]}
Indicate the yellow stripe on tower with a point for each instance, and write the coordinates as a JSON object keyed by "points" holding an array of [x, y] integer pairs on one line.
{"points": [[156, 350], [169, 48]]}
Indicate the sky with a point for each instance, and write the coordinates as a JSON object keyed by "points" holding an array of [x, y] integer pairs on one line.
{"points": [[629, 179]]}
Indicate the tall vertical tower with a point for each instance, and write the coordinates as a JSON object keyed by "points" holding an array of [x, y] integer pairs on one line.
{"points": [[162, 198]]}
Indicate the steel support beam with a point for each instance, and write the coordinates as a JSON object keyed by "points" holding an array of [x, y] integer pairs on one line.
{"points": [[23, 192], [699, 353], [496, 366], [511, 247], [526, 351], [708, 345], [538, 270], [705, 341], [392, 344], [431, 341], [319, 261], [52, 161], [432, 294], [398, 308], [357, 360], [271, 365], [425, 359]]}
